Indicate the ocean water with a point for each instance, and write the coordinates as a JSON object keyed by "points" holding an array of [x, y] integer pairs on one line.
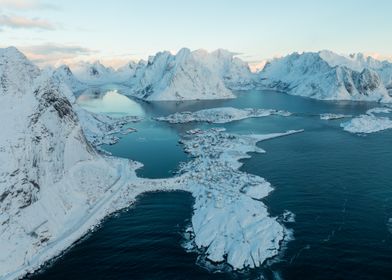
{"points": [[337, 184]]}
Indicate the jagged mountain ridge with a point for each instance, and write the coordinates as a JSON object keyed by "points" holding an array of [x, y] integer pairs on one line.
{"points": [[191, 75], [325, 75]]}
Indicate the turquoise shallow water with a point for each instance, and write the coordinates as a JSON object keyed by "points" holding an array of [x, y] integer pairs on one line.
{"points": [[337, 184]]}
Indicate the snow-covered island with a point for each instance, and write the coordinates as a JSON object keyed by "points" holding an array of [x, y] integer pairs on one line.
{"points": [[331, 116], [221, 115], [229, 221], [369, 122]]}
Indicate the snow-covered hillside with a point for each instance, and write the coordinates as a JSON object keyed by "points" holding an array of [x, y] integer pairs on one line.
{"points": [[328, 76], [191, 75], [53, 185]]}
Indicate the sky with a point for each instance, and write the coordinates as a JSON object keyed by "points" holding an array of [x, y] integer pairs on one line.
{"points": [[65, 31]]}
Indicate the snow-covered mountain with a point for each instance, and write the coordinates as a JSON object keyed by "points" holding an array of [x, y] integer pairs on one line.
{"points": [[191, 75], [53, 185], [325, 75], [93, 73], [235, 72], [17, 74]]}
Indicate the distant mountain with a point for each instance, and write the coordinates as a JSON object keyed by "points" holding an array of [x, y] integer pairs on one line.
{"points": [[191, 75], [53, 185], [328, 76], [93, 73], [64, 75]]}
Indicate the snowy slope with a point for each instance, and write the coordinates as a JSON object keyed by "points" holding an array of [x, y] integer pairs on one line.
{"points": [[15, 68], [53, 185], [191, 75], [324, 75]]}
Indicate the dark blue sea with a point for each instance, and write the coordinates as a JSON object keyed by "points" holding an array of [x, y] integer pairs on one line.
{"points": [[338, 185]]}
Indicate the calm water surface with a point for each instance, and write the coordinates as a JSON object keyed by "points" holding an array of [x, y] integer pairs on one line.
{"points": [[337, 184]]}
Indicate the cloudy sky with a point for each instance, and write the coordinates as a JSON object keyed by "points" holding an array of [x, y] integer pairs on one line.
{"points": [[65, 31]]}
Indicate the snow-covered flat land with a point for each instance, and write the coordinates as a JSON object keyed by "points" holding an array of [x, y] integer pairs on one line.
{"points": [[221, 115]]}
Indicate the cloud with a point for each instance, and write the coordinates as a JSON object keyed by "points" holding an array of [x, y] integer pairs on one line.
{"points": [[25, 5], [56, 54], [50, 48], [51, 54], [24, 22]]}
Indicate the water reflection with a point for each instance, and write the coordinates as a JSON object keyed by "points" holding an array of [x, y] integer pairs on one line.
{"points": [[98, 100]]}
